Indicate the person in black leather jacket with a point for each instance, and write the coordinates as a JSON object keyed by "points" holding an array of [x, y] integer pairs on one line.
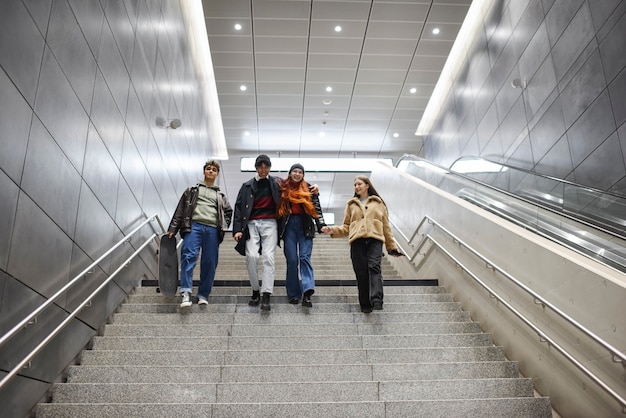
{"points": [[254, 227], [202, 215], [299, 217]]}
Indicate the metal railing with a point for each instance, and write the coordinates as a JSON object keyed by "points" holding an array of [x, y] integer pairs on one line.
{"points": [[616, 355], [32, 317], [583, 238]]}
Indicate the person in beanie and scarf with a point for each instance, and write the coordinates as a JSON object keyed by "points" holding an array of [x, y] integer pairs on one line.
{"points": [[299, 217]]}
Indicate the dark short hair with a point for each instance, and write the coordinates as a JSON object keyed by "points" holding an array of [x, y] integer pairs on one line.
{"points": [[262, 159], [213, 163]]}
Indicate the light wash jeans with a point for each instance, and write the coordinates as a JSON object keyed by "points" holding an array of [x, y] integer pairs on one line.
{"points": [[297, 249], [264, 235], [201, 237]]}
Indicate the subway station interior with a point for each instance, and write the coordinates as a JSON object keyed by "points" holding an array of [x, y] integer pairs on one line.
{"points": [[494, 130]]}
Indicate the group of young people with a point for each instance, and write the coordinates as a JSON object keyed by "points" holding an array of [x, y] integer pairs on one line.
{"points": [[269, 210]]}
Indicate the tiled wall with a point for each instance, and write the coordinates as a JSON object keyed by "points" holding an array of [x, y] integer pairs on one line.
{"points": [[568, 121], [82, 161]]}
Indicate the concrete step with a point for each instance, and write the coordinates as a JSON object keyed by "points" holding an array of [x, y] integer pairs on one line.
{"points": [[449, 408], [290, 329], [253, 315], [281, 304], [302, 341], [244, 290], [307, 391], [291, 373], [319, 297], [192, 358]]}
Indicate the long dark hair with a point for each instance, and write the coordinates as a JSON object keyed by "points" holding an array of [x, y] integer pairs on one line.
{"points": [[371, 190]]}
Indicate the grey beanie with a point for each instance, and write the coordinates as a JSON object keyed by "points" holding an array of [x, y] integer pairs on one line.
{"points": [[296, 165]]}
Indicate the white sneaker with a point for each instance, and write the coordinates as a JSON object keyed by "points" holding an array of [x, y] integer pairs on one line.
{"points": [[186, 300], [202, 301]]}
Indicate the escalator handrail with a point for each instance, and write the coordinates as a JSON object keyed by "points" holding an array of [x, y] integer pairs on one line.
{"points": [[544, 176], [595, 226]]}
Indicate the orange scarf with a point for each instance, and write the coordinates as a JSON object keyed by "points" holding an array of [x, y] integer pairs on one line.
{"points": [[295, 193]]}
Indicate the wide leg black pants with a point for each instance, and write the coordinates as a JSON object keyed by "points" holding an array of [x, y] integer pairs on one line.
{"points": [[366, 254]]}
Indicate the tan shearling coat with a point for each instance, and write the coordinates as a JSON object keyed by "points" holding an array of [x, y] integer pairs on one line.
{"points": [[366, 221]]}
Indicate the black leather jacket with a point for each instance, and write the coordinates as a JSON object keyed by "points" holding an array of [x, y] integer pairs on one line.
{"points": [[181, 221], [245, 199], [308, 227]]}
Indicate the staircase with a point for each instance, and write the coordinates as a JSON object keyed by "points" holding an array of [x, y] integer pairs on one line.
{"points": [[421, 356]]}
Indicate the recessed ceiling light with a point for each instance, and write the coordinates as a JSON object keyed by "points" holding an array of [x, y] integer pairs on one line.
{"points": [[395, 134], [413, 90], [436, 31], [247, 133], [327, 101], [243, 88], [337, 28], [237, 26], [329, 89]]}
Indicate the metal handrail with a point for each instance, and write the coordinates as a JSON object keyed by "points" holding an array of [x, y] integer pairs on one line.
{"points": [[543, 176], [518, 197], [616, 355], [21, 325]]}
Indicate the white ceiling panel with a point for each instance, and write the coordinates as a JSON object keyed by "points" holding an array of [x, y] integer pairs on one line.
{"points": [[292, 44], [280, 9], [378, 46], [384, 62], [339, 61], [328, 45], [278, 60], [280, 75], [399, 12], [337, 11], [281, 27], [287, 52]]}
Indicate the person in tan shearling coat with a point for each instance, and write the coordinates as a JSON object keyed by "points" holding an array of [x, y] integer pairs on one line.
{"points": [[366, 224]]}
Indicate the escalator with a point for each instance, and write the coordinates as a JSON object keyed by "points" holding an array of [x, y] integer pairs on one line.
{"points": [[586, 220]]}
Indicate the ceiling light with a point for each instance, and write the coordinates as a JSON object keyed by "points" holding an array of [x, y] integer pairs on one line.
{"points": [[247, 133], [436, 31], [329, 89], [237, 26], [332, 165], [327, 101], [395, 134], [243, 88], [413, 90], [337, 28]]}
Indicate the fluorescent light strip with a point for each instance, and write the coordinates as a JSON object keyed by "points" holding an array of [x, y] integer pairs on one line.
{"points": [[333, 165], [472, 25], [193, 14]]}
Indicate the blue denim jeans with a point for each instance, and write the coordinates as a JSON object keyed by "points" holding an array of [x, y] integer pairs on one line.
{"points": [[298, 255], [205, 238]]}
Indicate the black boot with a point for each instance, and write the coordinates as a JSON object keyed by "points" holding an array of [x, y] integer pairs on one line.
{"points": [[265, 302], [255, 299], [306, 300]]}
